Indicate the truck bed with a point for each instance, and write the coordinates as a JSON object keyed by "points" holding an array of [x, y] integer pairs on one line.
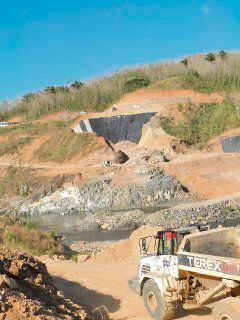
{"points": [[214, 253]]}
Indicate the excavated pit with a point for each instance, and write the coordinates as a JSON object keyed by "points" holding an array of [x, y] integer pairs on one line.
{"points": [[116, 128]]}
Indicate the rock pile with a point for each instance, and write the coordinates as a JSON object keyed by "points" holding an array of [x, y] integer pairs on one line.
{"points": [[27, 291], [104, 192]]}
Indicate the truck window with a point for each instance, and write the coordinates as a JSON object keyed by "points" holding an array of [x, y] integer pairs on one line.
{"points": [[167, 244]]}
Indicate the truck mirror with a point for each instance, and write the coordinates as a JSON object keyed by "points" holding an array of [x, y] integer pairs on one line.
{"points": [[143, 245], [146, 244]]}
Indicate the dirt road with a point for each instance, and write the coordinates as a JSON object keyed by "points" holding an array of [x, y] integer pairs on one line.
{"points": [[96, 285]]}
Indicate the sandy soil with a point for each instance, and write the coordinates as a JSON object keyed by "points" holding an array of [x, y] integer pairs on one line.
{"points": [[3, 138], [16, 119], [209, 175], [27, 153], [97, 285], [102, 280]]}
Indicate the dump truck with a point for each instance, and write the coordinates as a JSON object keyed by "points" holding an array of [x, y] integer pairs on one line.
{"points": [[190, 268]]}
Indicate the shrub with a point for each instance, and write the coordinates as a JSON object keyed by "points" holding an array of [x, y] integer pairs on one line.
{"points": [[218, 72], [135, 83], [22, 189], [30, 240], [203, 123], [74, 258], [30, 225]]}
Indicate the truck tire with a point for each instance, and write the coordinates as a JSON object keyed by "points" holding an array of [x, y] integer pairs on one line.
{"points": [[227, 309], [156, 306]]}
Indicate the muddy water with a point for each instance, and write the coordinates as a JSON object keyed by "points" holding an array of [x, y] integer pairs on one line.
{"points": [[65, 224]]}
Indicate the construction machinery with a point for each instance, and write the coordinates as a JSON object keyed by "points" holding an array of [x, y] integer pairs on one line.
{"points": [[190, 268]]}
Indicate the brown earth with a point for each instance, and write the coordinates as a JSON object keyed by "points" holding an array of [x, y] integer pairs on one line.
{"points": [[27, 291], [3, 138], [27, 153], [58, 116], [165, 102], [16, 119], [102, 280], [209, 175]]}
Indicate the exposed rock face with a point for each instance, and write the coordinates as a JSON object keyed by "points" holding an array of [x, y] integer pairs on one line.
{"points": [[103, 193], [27, 291]]}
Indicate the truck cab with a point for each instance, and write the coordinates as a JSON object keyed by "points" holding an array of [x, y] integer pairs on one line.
{"points": [[158, 269], [196, 269]]}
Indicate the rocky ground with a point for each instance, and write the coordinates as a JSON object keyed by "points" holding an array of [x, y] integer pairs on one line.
{"points": [[146, 186], [203, 213], [27, 291]]}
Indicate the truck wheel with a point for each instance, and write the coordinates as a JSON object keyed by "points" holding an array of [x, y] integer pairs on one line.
{"points": [[227, 309], [156, 306]]}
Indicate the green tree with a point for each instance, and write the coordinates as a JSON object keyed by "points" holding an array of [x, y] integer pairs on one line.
{"points": [[29, 96], [56, 89], [210, 57], [223, 55], [135, 83], [185, 62], [77, 84]]}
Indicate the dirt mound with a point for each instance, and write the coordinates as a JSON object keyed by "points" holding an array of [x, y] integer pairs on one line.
{"points": [[214, 145], [27, 291], [155, 138], [124, 252], [167, 103]]}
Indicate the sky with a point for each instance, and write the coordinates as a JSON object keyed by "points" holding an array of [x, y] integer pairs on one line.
{"points": [[52, 42]]}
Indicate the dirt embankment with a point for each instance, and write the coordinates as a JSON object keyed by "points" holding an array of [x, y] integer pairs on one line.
{"points": [[209, 175], [27, 291], [167, 103]]}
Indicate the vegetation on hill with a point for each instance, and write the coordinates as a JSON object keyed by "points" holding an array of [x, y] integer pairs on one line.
{"points": [[211, 72], [62, 143], [22, 235], [201, 124]]}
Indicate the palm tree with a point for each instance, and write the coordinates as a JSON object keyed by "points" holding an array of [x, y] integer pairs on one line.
{"points": [[210, 57], [184, 62], [77, 84], [223, 55], [50, 89]]}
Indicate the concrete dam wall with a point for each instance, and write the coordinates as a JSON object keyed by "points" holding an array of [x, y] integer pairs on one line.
{"points": [[116, 128], [231, 145]]}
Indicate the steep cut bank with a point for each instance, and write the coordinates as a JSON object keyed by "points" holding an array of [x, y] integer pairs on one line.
{"points": [[116, 128]]}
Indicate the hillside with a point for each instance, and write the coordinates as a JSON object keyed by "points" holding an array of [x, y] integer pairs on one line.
{"points": [[194, 72], [164, 117]]}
